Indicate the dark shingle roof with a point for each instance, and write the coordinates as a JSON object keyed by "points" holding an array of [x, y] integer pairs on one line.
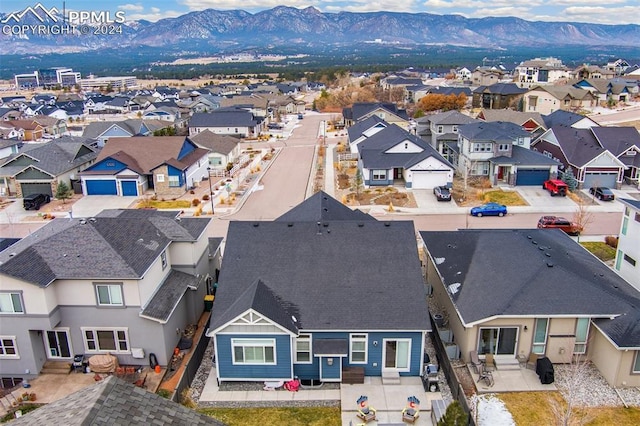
{"points": [[168, 295], [328, 277], [114, 402], [330, 347], [222, 144], [103, 247], [501, 89], [617, 139], [562, 118], [361, 110], [451, 118], [223, 118], [360, 127], [533, 272], [525, 157], [495, 131], [578, 145], [374, 156], [321, 207]]}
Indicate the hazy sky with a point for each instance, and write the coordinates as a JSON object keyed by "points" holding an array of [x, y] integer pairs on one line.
{"points": [[597, 11]]}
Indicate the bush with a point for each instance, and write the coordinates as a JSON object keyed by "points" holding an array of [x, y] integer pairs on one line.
{"points": [[611, 241], [195, 202], [205, 197]]}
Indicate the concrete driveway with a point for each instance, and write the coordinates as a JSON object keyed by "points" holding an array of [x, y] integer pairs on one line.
{"points": [[91, 205]]}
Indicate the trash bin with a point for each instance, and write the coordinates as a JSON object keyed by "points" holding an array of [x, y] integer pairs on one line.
{"points": [[438, 319], [208, 302]]}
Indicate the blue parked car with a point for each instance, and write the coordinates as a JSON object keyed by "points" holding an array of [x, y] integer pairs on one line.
{"points": [[489, 209]]}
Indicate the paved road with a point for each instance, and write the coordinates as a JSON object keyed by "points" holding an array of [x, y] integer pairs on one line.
{"points": [[627, 115]]}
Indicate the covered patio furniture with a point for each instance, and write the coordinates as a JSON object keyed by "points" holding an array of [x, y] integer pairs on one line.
{"points": [[412, 411], [365, 412], [544, 370], [103, 363]]}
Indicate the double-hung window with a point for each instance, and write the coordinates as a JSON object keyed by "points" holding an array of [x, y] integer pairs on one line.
{"points": [[379, 174], [358, 349], [303, 349], [582, 333], [254, 351], [174, 181], [11, 303], [109, 294], [540, 336]]}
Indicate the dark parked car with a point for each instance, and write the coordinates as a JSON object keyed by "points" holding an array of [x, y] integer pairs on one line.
{"points": [[561, 223], [602, 193], [442, 193], [489, 209], [274, 126], [34, 201]]}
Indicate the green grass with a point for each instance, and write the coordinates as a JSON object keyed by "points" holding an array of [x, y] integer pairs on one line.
{"points": [[508, 198], [601, 250], [299, 416]]}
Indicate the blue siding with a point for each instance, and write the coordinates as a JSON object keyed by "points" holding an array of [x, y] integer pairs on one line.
{"points": [[187, 147], [175, 172], [308, 371], [115, 131], [227, 370], [370, 182], [331, 372], [374, 353], [108, 164]]}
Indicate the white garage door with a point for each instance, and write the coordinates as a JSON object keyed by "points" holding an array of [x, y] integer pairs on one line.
{"points": [[429, 179], [600, 179]]}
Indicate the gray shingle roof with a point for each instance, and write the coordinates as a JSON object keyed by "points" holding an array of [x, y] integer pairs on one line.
{"points": [[578, 145], [451, 118], [562, 118], [629, 201], [330, 347], [321, 207], [525, 157], [340, 275], [168, 295], [373, 155], [360, 127], [100, 248], [360, 110], [223, 118], [494, 131], [617, 139], [58, 156], [114, 402], [501, 89], [534, 272], [222, 144]]}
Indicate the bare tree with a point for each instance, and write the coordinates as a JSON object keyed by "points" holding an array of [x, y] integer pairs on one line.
{"points": [[582, 216]]}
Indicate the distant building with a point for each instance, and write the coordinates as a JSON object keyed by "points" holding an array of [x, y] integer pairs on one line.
{"points": [[116, 83], [27, 81], [48, 78]]}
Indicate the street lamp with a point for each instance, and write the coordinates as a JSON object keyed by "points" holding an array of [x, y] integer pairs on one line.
{"points": [[210, 190]]}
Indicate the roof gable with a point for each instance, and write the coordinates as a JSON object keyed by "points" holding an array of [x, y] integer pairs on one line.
{"points": [[321, 207]]}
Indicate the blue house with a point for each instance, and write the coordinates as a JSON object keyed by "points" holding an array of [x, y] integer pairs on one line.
{"points": [[321, 291]]}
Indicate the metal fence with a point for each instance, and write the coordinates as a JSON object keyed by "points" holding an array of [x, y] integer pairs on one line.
{"points": [[191, 367], [457, 392]]}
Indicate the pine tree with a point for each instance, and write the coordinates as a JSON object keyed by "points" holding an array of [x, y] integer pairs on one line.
{"points": [[454, 416], [63, 192], [569, 178]]}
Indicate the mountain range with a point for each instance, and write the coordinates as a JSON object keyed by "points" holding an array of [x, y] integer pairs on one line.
{"points": [[233, 30]]}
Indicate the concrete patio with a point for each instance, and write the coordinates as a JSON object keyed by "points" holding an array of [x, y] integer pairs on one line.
{"points": [[521, 379]]}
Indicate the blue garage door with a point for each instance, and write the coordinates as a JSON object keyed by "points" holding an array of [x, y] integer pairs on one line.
{"points": [[532, 176], [129, 187], [101, 187]]}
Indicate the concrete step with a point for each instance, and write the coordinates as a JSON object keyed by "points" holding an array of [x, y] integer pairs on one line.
{"points": [[390, 378], [56, 367], [507, 364]]}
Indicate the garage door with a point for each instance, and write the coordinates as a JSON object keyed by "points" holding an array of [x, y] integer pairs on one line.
{"points": [[36, 188], [129, 187], [531, 176], [101, 187], [600, 179], [429, 179]]}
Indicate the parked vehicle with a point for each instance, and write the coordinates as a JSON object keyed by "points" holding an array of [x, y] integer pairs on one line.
{"points": [[34, 201], [442, 193], [300, 116], [489, 209], [561, 223], [274, 126], [555, 187], [602, 193]]}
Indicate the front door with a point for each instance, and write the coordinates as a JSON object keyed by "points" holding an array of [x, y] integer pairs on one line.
{"points": [[396, 355], [58, 344]]}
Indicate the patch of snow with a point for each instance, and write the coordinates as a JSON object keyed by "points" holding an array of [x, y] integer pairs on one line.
{"points": [[493, 412], [439, 260], [453, 288]]}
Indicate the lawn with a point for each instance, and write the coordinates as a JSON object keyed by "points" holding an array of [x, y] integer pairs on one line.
{"points": [[508, 198], [535, 408], [168, 204], [601, 250], [298, 416]]}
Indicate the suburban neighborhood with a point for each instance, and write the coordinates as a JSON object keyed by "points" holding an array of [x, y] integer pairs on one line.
{"points": [[253, 243]]}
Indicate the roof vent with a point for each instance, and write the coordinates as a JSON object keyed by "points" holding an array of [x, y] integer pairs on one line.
{"points": [[387, 224], [256, 224], [547, 254], [92, 219], [290, 224], [529, 237], [325, 209], [83, 221], [360, 224], [12, 254], [550, 264], [534, 242], [325, 224]]}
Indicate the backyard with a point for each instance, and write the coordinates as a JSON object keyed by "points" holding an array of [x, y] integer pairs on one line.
{"points": [[298, 416]]}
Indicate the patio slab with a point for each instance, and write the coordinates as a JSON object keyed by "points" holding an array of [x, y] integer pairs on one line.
{"points": [[522, 380]]}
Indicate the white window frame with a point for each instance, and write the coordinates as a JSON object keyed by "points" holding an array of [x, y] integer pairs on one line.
{"points": [[454, 129], [480, 169], [375, 174], [581, 343], [440, 129], [160, 178], [113, 289], [635, 368], [11, 297], [174, 181], [14, 346], [253, 343], [482, 147], [503, 147], [303, 338], [92, 341], [358, 338], [539, 347]]}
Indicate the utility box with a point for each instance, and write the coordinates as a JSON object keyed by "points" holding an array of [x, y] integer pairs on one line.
{"points": [[208, 302]]}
